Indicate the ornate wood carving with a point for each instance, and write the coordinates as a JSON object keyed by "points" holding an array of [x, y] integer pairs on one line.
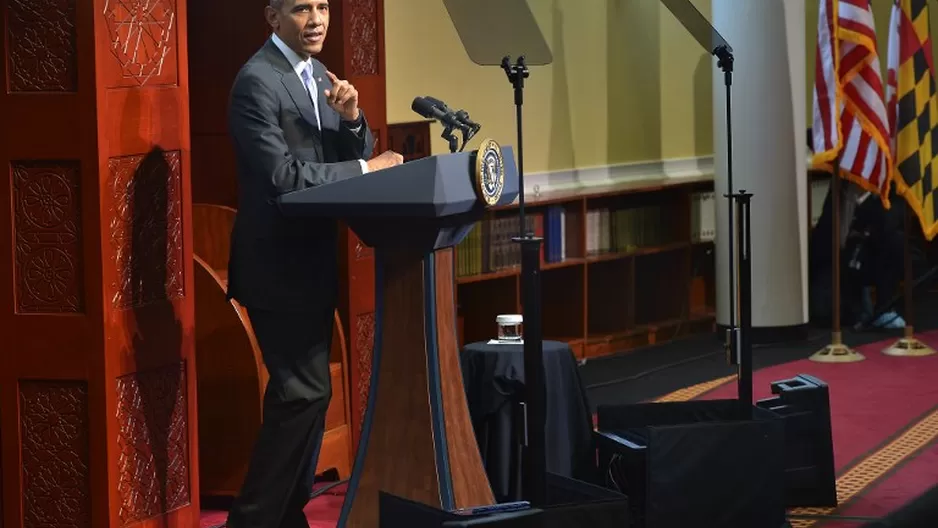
{"points": [[364, 38], [146, 228], [42, 45], [54, 431], [142, 35], [47, 227], [85, 235], [153, 439], [365, 343]]}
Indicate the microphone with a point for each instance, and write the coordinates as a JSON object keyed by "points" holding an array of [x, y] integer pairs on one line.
{"points": [[462, 116], [435, 109]]}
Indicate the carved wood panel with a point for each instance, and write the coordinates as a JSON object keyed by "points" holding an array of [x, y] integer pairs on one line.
{"points": [[153, 442], [83, 239], [54, 447], [47, 235], [42, 53], [365, 343], [142, 38], [364, 34], [146, 228]]}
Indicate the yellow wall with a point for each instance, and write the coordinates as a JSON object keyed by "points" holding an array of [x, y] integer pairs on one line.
{"points": [[627, 82]]}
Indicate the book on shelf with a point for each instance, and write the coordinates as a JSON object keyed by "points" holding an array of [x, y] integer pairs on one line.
{"points": [[561, 234], [703, 227], [490, 247], [627, 229]]}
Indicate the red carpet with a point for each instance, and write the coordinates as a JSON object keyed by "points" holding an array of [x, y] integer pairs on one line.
{"points": [[873, 402], [321, 512], [908, 481], [884, 424]]}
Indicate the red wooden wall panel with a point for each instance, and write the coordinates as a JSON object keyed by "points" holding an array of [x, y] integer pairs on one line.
{"points": [[97, 404]]}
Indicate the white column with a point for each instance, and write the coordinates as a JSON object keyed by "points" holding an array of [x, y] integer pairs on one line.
{"points": [[769, 152]]}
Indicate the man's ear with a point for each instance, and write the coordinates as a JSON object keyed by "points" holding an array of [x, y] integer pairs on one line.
{"points": [[271, 15]]}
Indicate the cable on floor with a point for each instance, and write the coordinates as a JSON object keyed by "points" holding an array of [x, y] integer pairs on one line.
{"points": [[326, 488]]}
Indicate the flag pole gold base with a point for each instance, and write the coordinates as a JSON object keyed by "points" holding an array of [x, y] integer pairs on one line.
{"points": [[909, 346], [837, 352]]}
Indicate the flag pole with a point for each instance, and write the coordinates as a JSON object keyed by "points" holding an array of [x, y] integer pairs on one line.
{"points": [[836, 351], [908, 345]]}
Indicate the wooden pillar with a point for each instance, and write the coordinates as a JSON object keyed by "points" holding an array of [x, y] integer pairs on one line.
{"points": [[354, 50], [97, 384]]}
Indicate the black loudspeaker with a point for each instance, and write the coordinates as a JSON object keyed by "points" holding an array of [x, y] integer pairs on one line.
{"points": [[571, 504], [803, 404], [697, 463]]}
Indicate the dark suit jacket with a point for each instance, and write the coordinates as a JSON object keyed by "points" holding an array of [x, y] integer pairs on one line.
{"points": [[277, 262]]}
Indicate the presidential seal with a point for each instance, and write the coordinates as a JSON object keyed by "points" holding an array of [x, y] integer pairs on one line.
{"points": [[490, 172]]}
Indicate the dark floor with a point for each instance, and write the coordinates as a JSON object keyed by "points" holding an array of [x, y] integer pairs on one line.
{"points": [[654, 371]]}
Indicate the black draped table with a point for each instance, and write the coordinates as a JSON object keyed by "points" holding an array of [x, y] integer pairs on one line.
{"points": [[494, 378]]}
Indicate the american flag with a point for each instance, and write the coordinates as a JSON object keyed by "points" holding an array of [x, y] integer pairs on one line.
{"points": [[850, 120]]}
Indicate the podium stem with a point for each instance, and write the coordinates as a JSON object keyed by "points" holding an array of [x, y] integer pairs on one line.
{"points": [[534, 459]]}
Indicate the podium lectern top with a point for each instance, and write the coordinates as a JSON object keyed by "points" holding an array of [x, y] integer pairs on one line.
{"points": [[426, 204]]}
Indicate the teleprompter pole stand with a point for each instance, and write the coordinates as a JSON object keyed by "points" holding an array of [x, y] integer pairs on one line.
{"points": [[836, 351], [742, 203], [725, 62], [908, 345], [534, 452]]}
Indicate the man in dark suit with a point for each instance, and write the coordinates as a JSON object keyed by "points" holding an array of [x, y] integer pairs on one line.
{"points": [[294, 125]]}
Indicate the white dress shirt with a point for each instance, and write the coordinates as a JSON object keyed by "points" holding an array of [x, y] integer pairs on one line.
{"points": [[299, 65]]}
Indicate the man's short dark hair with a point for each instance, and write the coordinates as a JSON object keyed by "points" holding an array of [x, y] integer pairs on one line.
{"points": [[276, 4]]}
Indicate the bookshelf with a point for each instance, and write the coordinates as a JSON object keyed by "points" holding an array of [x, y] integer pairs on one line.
{"points": [[623, 266]]}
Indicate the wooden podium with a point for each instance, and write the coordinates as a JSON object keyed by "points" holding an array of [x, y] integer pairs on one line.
{"points": [[97, 378], [417, 440]]}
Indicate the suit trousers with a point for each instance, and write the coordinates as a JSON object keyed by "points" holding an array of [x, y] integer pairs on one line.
{"points": [[295, 347]]}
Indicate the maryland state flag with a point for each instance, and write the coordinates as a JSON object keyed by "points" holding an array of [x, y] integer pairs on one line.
{"points": [[913, 110]]}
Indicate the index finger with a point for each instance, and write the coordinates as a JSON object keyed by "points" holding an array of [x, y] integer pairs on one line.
{"points": [[331, 76]]}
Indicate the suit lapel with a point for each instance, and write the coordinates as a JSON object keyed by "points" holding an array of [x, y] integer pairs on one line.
{"points": [[292, 84], [300, 97]]}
